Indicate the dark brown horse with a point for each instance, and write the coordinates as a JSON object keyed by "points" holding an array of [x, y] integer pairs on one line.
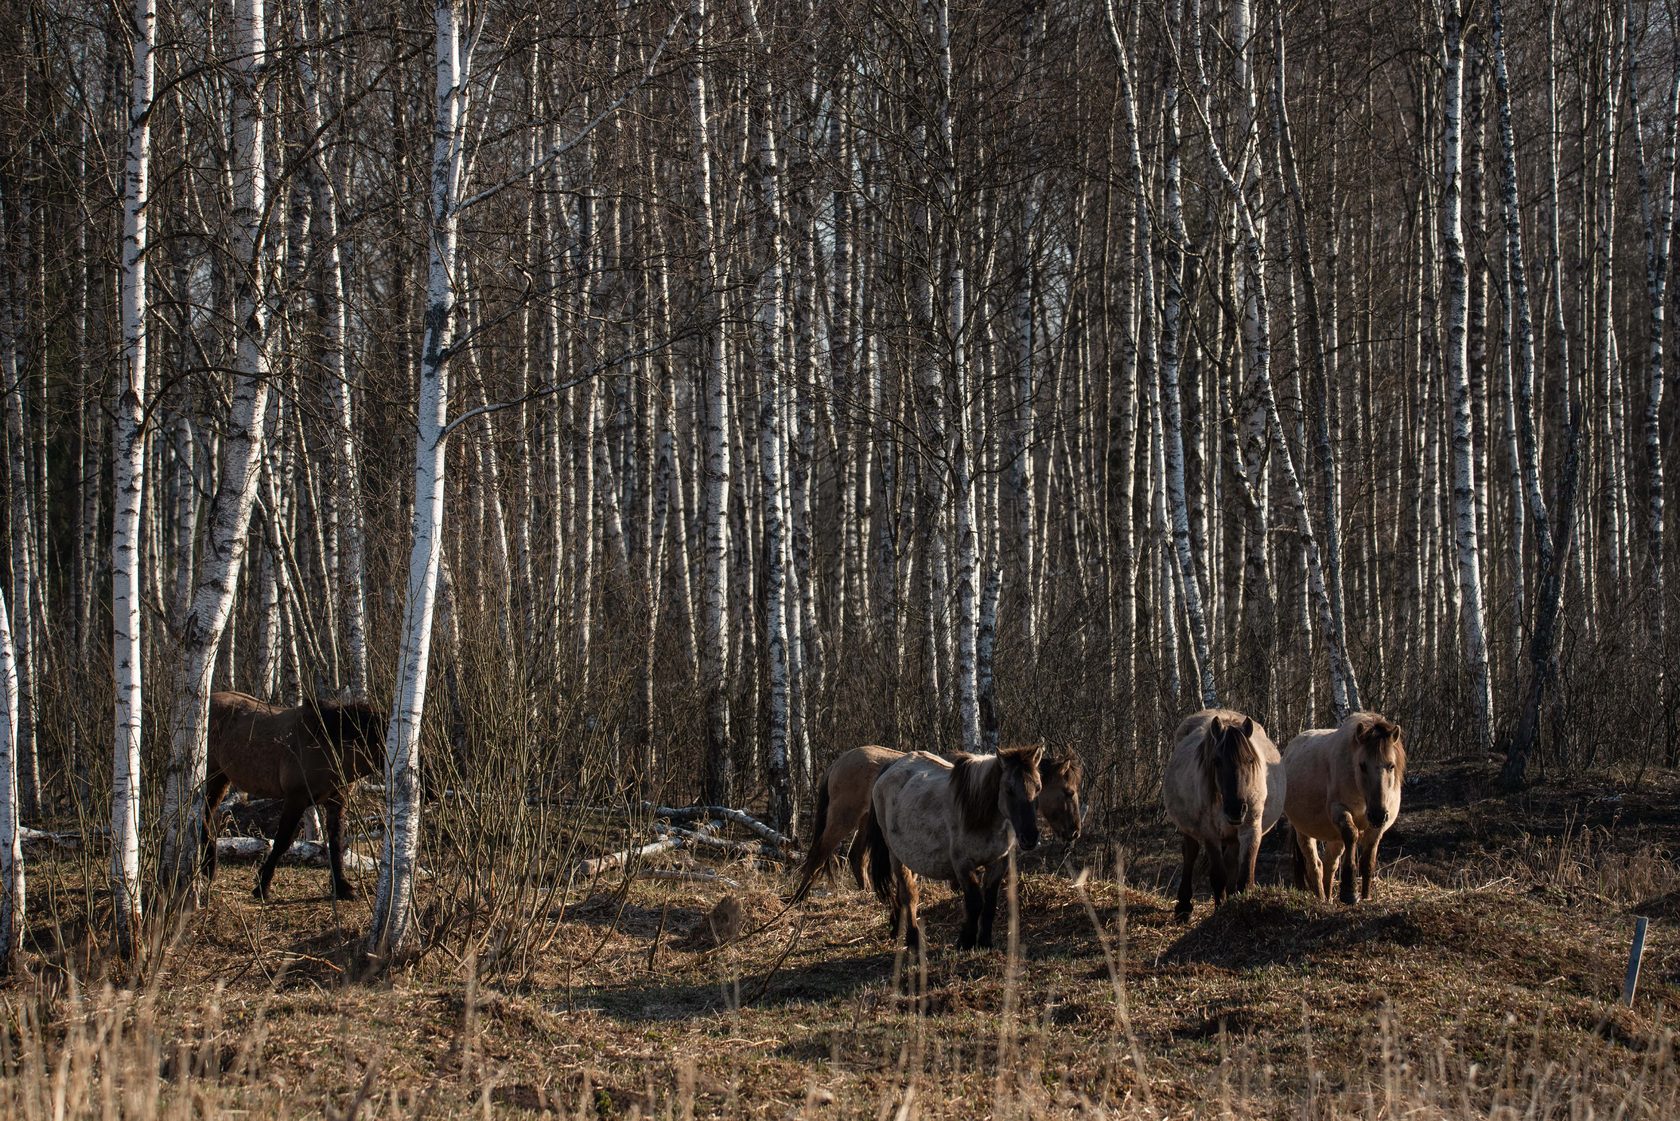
{"points": [[843, 807], [311, 755]]}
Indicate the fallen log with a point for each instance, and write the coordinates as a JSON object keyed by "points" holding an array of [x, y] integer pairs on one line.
{"points": [[687, 874], [740, 817], [313, 853], [588, 869], [718, 844], [41, 838]]}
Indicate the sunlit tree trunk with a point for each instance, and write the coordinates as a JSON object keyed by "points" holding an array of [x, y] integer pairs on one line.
{"points": [[240, 467], [714, 610], [11, 835], [128, 458], [1472, 617], [393, 905]]}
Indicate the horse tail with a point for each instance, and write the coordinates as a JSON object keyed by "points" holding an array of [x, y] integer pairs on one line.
{"points": [[815, 858], [880, 859]]}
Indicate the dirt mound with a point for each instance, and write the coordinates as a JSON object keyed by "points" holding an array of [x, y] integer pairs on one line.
{"points": [[1481, 936]]}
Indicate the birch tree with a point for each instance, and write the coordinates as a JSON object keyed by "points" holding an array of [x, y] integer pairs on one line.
{"points": [[241, 460], [393, 906], [128, 459], [1456, 295]]}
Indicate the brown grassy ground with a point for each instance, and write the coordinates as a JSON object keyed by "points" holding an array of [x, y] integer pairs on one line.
{"points": [[1482, 980]]}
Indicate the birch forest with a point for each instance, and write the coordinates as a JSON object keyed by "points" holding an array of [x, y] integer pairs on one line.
{"points": [[651, 401]]}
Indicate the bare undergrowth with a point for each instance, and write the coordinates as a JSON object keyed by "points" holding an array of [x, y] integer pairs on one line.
{"points": [[1489, 992]]}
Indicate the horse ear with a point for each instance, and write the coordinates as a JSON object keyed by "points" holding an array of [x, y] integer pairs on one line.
{"points": [[1248, 727], [1037, 756]]}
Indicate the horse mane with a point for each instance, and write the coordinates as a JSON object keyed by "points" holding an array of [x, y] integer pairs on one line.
{"points": [[974, 787], [1065, 762], [334, 722], [1359, 723]]}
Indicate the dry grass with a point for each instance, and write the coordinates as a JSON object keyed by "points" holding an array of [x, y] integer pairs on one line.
{"points": [[1481, 982]]}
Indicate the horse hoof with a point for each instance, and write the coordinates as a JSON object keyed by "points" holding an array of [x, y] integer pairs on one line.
{"points": [[1181, 915], [344, 891], [1348, 898], [260, 894]]}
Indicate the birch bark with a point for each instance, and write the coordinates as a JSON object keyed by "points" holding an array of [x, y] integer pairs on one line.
{"points": [[128, 454], [393, 905], [240, 468], [1472, 617], [11, 837]]}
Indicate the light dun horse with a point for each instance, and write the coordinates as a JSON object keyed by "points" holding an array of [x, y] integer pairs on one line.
{"points": [[309, 755], [1344, 790], [843, 806], [1223, 789], [955, 821]]}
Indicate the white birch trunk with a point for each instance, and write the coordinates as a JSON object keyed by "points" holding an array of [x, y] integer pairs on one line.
{"points": [[128, 454], [393, 905], [1472, 617], [333, 308], [714, 629], [11, 834], [1656, 205], [240, 468], [1172, 422], [24, 553], [771, 458]]}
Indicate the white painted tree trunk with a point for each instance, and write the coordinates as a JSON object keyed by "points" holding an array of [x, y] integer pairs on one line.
{"points": [[393, 904], [128, 454], [240, 468]]}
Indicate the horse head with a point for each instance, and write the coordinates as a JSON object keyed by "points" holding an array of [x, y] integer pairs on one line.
{"points": [[1237, 771], [1059, 803], [1379, 755], [1019, 790], [355, 731]]}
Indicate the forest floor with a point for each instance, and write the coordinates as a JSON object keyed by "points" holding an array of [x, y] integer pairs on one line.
{"points": [[1484, 974]]}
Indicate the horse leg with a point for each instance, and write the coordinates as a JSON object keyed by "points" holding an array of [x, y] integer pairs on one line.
{"points": [[1186, 875], [1248, 858], [1216, 872], [909, 897], [1344, 826], [988, 914], [1309, 873], [215, 789], [1298, 850], [290, 817], [1327, 875], [855, 860], [974, 904], [342, 888], [1368, 863]]}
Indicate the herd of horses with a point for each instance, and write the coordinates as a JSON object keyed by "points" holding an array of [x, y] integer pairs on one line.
{"points": [[1226, 785], [916, 815]]}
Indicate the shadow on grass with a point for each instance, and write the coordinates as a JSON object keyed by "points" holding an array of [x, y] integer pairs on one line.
{"points": [[658, 997]]}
